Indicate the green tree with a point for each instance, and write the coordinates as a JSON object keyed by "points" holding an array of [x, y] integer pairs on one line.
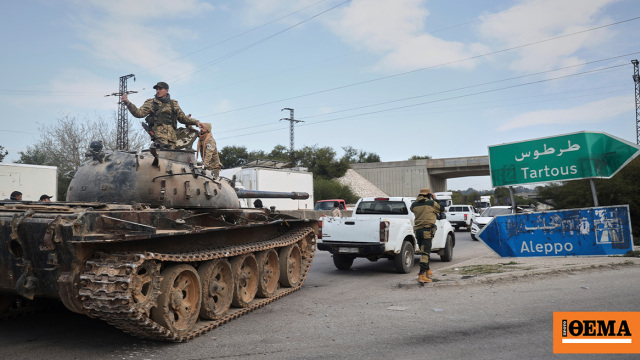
{"points": [[322, 162], [233, 156], [352, 155], [64, 144], [3, 153], [280, 153], [324, 189]]}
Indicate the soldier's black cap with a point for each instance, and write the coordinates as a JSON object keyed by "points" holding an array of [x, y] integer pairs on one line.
{"points": [[45, 196], [161, 84]]}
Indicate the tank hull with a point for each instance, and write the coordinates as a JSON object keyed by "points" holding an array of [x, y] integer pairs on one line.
{"points": [[153, 245], [89, 257]]}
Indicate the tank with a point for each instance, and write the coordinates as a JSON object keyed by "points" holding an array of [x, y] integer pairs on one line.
{"points": [[152, 244]]}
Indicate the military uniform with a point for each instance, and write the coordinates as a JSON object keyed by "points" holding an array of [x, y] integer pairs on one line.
{"points": [[162, 116], [425, 211], [209, 151]]}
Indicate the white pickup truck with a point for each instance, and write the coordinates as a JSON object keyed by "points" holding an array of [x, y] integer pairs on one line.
{"points": [[381, 228], [461, 215]]}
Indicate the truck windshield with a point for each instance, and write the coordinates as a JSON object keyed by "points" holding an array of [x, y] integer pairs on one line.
{"points": [[382, 207], [325, 205], [492, 212]]}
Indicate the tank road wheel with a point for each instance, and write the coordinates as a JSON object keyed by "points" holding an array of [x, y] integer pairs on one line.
{"points": [[306, 247], [179, 300], [217, 288], [290, 265], [145, 286], [268, 273], [245, 270]]}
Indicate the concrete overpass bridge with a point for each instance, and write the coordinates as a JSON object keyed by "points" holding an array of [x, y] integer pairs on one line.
{"points": [[405, 178]]}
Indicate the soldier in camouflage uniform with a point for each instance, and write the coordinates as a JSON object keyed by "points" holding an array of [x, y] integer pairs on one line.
{"points": [[208, 150], [162, 114], [425, 209]]}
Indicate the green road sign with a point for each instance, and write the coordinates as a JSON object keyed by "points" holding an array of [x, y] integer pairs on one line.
{"points": [[563, 157]]}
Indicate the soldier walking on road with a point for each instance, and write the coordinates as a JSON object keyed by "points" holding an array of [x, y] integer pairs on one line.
{"points": [[162, 114], [425, 209], [208, 150]]}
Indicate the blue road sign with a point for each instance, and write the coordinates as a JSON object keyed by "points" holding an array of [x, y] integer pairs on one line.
{"points": [[591, 231]]}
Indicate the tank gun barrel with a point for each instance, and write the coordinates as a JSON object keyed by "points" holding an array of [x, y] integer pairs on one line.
{"points": [[272, 194]]}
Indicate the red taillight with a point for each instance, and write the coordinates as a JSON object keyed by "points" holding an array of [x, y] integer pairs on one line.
{"points": [[381, 199], [384, 231], [320, 228], [465, 216]]}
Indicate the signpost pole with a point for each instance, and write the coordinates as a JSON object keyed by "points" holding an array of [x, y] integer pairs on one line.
{"points": [[513, 200], [593, 192]]}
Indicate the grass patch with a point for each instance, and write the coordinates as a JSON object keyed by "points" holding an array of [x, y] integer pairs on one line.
{"points": [[475, 270], [509, 263], [633, 253]]}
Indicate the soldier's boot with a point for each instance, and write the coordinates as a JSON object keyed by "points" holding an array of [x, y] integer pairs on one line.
{"points": [[429, 274], [422, 278]]}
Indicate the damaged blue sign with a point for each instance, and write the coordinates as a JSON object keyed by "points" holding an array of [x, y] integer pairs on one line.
{"points": [[590, 231]]}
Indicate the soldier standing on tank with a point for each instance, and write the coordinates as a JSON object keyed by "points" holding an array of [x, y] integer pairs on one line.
{"points": [[162, 114], [208, 150], [425, 209]]}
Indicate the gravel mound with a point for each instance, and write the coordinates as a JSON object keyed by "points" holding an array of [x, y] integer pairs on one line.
{"points": [[360, 186]]}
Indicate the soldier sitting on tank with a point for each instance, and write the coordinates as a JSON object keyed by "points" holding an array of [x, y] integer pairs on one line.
{"points": [[208, 150], [162, 114]]}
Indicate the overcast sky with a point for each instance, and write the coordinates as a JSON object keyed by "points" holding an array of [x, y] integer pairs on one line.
{"points": [[393, 77]]}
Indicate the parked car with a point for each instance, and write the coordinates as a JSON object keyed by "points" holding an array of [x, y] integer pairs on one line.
{"points": [[329, 204], [487, 215], [461, 215], [381, 228]]}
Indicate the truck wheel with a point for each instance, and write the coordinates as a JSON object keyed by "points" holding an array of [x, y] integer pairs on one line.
{"points": [[405, 259], [469, 227], [457, 228], [447, 254], [342, 262]]}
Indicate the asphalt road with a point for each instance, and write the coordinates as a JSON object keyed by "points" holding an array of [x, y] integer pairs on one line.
{"points": [[359, 314]]}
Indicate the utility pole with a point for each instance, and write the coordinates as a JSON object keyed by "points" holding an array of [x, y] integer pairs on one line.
{"points": [[122, 141], [291, 120], [636, 79]]}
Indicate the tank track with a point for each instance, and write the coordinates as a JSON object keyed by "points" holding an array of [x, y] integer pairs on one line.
{"points": [[107, 278]]}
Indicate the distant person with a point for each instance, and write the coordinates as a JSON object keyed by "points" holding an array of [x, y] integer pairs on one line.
{"points": [[16, 196], [45, 198], [336, 210], [208, 150], [425, 209], [162, 114], [257, 204]]}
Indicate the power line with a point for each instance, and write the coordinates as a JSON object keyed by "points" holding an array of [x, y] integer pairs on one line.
{"points": [[446, 91], [244, 48], [472, 86], [232, 37], [441, 100], [636, 80], [292, 121], [424, 68]]}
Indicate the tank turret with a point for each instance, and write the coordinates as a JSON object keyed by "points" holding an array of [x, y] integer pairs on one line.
{"points": [[169, 178]]}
